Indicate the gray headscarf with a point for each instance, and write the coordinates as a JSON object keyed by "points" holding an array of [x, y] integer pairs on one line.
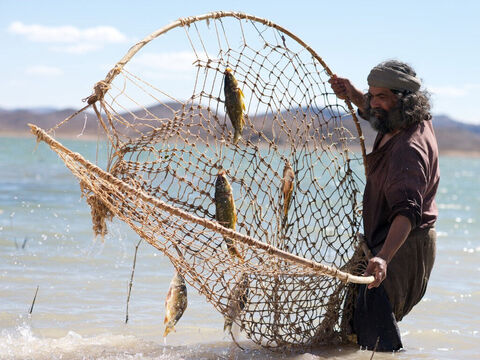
{"points": [[394, 75]]}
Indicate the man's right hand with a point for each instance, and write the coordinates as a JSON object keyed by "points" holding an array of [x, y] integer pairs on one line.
{"points": [[341, 87], [378, 268], [344, 90]]}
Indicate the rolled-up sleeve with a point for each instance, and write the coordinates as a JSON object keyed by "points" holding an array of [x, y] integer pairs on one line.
{"points": [[405, 185]]}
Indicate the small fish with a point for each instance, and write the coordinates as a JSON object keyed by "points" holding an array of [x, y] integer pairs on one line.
{"points": [[175, 303], [287, 187], [234, 104], [225, 212], [237, 300]]}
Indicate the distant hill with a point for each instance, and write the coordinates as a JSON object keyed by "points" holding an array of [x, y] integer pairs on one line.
{"points": [[452, 136], [14, 122]]}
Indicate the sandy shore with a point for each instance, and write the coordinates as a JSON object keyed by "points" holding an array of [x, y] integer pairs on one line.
{"points": [[457, 153]]}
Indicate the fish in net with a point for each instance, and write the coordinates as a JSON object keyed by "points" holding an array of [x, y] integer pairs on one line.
{"points": [[243, 101]]}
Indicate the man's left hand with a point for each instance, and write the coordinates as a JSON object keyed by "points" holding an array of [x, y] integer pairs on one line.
{"points": [[378, 268]]}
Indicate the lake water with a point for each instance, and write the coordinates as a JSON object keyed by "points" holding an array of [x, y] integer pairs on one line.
{"points": [[46, 241]]}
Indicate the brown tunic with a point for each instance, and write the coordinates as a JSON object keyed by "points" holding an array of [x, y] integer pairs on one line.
{"points": [[402, 179]]}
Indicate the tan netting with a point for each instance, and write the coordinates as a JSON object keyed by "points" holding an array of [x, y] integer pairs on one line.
{"points": [[167, 147]]}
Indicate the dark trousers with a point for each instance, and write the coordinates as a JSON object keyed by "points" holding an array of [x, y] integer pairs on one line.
{"points": [[377, 310]]}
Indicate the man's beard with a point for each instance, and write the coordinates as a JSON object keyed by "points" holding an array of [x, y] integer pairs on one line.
{"points": [[386, 121]]}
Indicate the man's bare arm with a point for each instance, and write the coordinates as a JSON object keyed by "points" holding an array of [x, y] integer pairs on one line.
{"points": [[398, 233]]}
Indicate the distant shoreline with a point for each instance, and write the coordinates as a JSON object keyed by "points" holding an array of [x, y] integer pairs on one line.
{"points": [[89, 137], [459, 153], [25, 135], [454, 138]]}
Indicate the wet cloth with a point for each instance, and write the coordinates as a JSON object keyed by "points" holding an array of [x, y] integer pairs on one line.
{"points": [[378, 310], [374, 322], [409, 271]]}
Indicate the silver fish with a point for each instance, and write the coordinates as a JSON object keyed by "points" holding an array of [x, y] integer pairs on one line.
{"points": [[234, 103], [175, 303], [237, 300]]}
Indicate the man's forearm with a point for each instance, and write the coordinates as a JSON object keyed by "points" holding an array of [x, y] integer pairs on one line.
{"points": [[357, 98], [397, 235]]}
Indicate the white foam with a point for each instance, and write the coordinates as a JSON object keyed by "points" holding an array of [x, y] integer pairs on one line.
{"points": [[21, 343]]}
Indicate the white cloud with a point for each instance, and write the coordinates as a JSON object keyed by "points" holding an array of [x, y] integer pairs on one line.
{"points": [[457, 101], [450, 91], [454, 91], [170, 61], [72, 39], [43, 70]]}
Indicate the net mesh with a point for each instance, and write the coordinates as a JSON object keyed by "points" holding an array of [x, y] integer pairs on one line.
{"points": [[164, 116]]}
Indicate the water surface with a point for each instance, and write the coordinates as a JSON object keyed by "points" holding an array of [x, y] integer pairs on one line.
{"points": [[46, 240]]}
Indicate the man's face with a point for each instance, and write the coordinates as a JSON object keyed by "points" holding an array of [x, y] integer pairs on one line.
{"points": [[382, 100], [385, 114]]}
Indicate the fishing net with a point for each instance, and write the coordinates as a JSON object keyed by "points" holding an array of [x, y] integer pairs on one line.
{"points": [[163, 112]]}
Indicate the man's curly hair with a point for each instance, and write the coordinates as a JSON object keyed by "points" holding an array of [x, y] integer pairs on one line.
{"points": [[414, 106]]}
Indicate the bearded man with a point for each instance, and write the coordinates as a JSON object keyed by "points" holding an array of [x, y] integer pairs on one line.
{"points": [[399, 210]]}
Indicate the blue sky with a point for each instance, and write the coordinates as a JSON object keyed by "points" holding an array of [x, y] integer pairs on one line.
{"points": [[54, 51]]}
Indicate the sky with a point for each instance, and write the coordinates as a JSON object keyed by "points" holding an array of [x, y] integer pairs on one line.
{"points": [[53, 52]]}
